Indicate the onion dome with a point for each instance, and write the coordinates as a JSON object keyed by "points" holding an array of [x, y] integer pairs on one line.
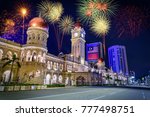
{"points": [[38, 22], [78, 24], [100, 60]]}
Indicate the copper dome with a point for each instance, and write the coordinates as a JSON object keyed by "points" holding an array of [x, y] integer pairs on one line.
{"points": [[38, 22]]}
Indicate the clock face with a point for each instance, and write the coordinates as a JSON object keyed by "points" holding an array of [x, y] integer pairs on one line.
{"points": [[75, 34]]}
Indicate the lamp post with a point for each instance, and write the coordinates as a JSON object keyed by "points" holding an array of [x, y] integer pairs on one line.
{"points": [[23, 13]]}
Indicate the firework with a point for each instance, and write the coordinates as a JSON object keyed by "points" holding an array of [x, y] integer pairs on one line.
{"points": [[56, 12], [100, 26], [10, 26], [66, 24], [44, 9], [90, 9], [50, 11], [130, 21]]}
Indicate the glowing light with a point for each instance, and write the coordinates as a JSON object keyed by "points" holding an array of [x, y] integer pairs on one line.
{"points": [[66, 24], [100, 26], [24, 11], [33, 24]]}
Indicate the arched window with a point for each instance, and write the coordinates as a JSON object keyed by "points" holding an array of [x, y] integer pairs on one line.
{"points": [[33, 36], [38, 36], [9, 54], [34, 56], [44, 56], [28, 55], [60, 79], [39, 57], [29, 37], [1, 54], [22, 56], [48, 65], [54, 79], [47, 79]]}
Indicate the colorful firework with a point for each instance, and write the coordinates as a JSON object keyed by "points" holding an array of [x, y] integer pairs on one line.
{"points": [[130, 21], [66, 24], [50, 11], [44, 9], [90, 9], [10, 26], [100, 26]]}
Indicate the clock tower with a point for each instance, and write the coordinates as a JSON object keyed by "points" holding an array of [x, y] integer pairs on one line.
{"points": [[78, 43]]}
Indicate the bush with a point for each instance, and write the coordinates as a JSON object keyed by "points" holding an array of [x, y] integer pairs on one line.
{"points": [[18, 84], [55, 85]]}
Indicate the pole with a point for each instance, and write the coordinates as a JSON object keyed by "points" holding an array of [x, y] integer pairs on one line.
{"points": [[104, 47], [23, 30]]}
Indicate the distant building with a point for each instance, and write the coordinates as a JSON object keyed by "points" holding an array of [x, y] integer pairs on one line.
{"points": [[94, 52], [118, 59]]}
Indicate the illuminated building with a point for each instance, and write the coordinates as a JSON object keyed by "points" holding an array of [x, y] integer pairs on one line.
{"points": [[94, 52], [40, 67], [118, 59]]}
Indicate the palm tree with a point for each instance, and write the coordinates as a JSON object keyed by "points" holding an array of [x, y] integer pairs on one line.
{"points": [[14, 60], [108, 78]]}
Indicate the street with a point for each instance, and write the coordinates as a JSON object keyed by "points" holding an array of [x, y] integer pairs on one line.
{"points": [[79, 93]]}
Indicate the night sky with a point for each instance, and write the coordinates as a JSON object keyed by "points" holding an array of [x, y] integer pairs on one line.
{"points": [[138, 48]]}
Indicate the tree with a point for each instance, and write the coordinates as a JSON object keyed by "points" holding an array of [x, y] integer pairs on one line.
{"points": [[108, 78], [14, 60]]}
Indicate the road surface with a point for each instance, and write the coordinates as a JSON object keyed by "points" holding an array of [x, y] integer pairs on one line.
{"points": [[79, 93]]}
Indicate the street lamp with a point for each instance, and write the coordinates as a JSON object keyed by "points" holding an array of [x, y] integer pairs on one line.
{"points": [[23, 13]]}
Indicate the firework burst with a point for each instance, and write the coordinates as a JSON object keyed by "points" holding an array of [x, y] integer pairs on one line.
{"points": [[44, 9], [50, 11], [56, 12], [10, 26], [130, 21], [66, 24], [90, 9], [100, 26]]}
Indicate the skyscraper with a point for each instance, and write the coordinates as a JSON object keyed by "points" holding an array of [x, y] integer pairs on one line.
{"points": [[94, 52], [118, 59]]}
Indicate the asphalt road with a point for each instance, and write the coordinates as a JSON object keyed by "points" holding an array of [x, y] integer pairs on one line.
{"points": [[79, 93]]}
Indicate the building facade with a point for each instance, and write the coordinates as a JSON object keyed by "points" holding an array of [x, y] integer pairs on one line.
{"points": [[40, 67], [118, 59]]}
